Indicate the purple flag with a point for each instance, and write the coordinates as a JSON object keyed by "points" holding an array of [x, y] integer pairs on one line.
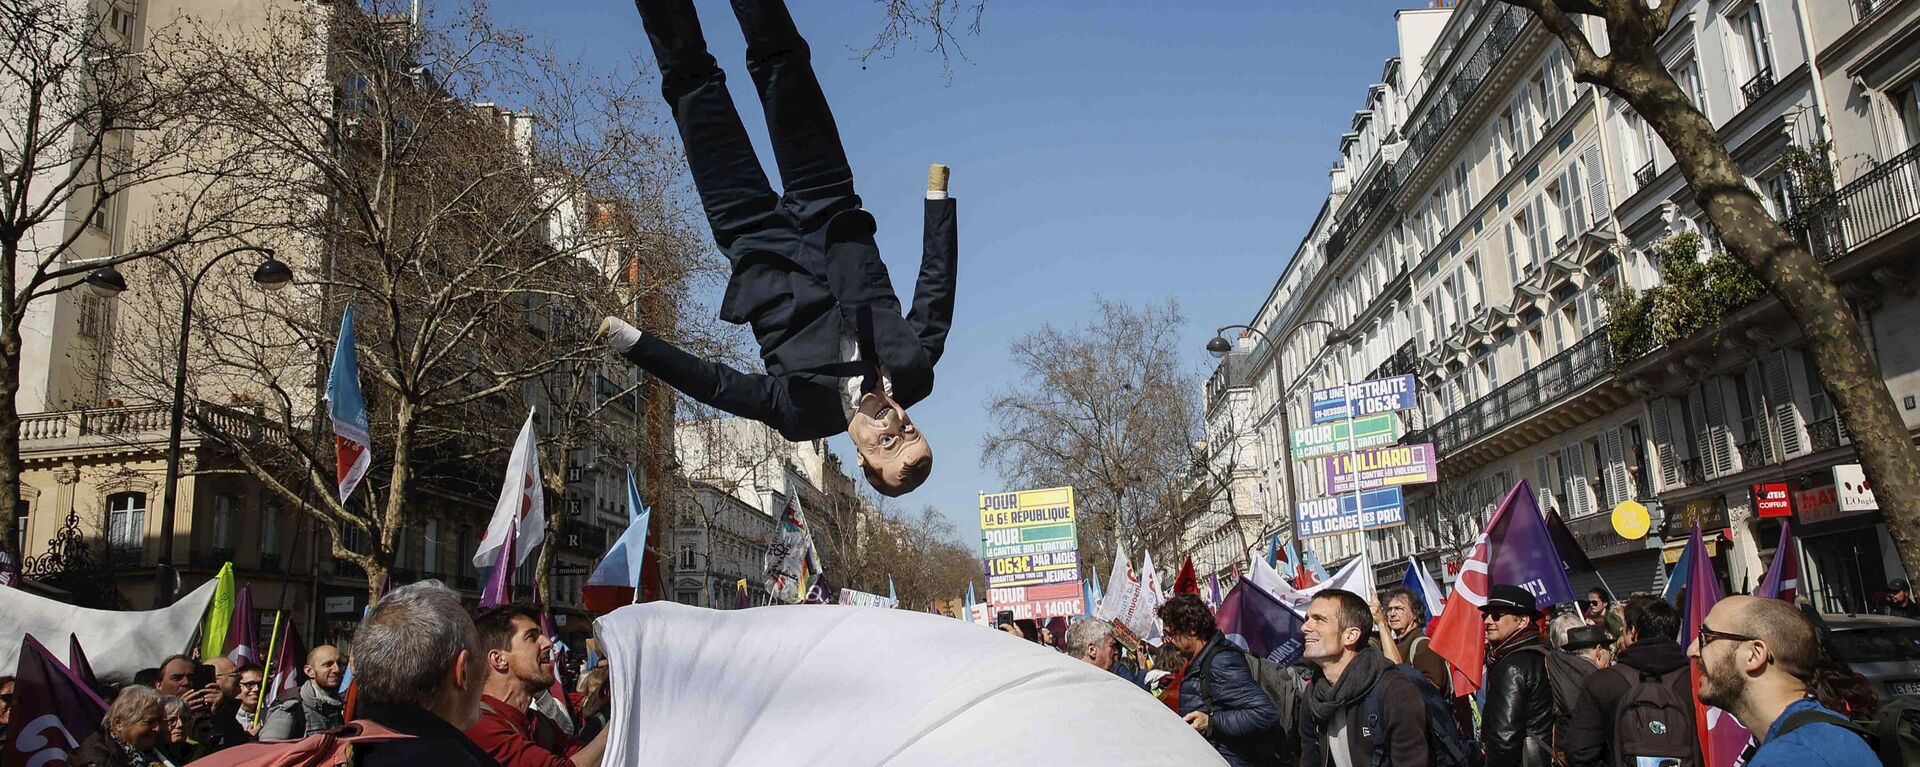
{"points": [[243, 631], [499, 588], [1522, 551], [1257, 620], [1213, 590], [1783, 576], [1569, 547], [52, 710], [9, 567], [77, 662]]}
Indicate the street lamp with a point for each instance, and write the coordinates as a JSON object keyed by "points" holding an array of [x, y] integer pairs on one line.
{"points": [[1220, 347], [271, 274], [105, 282]]}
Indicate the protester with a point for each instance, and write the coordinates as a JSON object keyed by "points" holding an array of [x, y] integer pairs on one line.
{"points": [[176, 679], [1590, 643], [1092, 640], [6, 709], [1354, 684], [147, 677], [1754, 655], [247, 714], [1218, 695], [596, 702], [1600, 611], [130, 735], [519, 667], [1651, 682], [1516, 723], [419, 670], [221, 727], [1900, 602], [180, 746], [1406, 617], [318, 706]]}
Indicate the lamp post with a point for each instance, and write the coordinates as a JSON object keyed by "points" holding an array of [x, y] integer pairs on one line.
{"points": [[271, 274], [1220, 347]]}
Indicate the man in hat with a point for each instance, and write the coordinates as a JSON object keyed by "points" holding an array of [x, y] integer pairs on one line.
{"points": [[1648, 654], [1516, 723], [1591, 644], [1900, 602], [805, 272]]}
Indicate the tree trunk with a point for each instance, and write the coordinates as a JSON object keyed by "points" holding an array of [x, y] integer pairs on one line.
{"points": [[1799, 281], [11, 464]]}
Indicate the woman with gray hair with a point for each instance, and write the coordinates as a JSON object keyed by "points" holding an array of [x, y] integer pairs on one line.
{"points": [[130, 735], [179, 745]]}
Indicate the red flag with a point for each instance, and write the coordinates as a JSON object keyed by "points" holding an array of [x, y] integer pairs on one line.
{"points": [[1459, 636], [291, 655], [1722, 739], [1186, 582]]}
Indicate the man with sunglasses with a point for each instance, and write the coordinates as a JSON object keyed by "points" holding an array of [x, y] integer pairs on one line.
{"points": [[1754, 656], [1598, 610], [1516, 725]]}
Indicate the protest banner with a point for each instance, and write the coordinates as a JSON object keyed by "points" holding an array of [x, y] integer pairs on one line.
{"points": [[1031, 546], [1380, 395], [1331, 438], [864, 599], [1369, 510], [1381, 467]]}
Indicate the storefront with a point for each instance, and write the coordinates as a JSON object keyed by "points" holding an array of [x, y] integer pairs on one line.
{"points": [[1625, 566], [1847, 554], [1710, 514]]}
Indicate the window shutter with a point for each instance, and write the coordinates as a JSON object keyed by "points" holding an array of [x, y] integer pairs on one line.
{"points": [[1614, 468], [1576, 198], [1597, 205], [1543, 487], [1579, 502], [1663, 452], [1786, 416], [1703, 443], [1513, 256], [1718, 437]]}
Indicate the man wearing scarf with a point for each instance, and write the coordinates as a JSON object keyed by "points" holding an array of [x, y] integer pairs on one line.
{"points": [[1354, 681], [1516, 723]]}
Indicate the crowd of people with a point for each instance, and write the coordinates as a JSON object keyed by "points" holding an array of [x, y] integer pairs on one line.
{"points": [[474, 690], [1608, 685]]}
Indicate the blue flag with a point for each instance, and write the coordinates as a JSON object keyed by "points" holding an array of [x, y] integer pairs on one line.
{"points": [[969, 615], [1419, 582], [347, 408], [891, 594], [1273, 551], [1313, 565], [1677, 580], [616, 581]]}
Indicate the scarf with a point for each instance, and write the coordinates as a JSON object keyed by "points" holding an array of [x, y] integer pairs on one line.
{"points": [[320, 696], [1526, 636], [1324, 698]]}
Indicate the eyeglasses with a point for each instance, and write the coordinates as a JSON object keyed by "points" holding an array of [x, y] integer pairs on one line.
{"points": [[1596, 602], [244, 685], [1709, 636]]}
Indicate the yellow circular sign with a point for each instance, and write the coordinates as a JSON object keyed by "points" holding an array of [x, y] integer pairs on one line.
{"points": [[1630, 520]]}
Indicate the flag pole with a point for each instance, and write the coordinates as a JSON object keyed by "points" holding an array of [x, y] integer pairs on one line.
{"points": [[267, 678]]}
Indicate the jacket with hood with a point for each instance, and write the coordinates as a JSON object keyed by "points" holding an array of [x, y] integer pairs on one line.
{"points": [[1239, 712], [1590, 734]]}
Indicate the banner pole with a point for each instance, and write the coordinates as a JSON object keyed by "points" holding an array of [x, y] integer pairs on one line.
{"points": [[266, 678]]}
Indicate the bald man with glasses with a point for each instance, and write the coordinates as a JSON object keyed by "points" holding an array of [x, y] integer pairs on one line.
{"points": [[1755, 655]]}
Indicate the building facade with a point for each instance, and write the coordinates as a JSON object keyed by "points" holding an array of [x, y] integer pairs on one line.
{"points": [[1475, 235]]}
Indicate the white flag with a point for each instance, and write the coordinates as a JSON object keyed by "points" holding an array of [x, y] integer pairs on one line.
{"points": [[1143, 616], [522, 505], [1356, 577], [1120, 589]]}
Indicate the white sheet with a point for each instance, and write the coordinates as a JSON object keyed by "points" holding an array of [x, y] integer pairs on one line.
{"points": [[118, 644], [841, 685]]}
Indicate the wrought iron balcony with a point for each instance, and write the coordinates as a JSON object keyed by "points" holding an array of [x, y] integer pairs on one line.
{"points": [[1754, 453], [1448, 100], [1583, 363], [1370, 200], [1758, 86], [1643, 176], [1692, 472], [1403, 362], [1879, 201], [1823, 434]]}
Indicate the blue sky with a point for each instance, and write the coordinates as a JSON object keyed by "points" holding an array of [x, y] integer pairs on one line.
{"points": [[1129, 149]]}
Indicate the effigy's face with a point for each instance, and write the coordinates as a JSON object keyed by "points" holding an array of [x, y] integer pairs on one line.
{"points": [[894, 454]]}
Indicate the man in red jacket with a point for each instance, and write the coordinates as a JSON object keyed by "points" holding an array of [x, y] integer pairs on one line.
{"points": [[519, 668]]}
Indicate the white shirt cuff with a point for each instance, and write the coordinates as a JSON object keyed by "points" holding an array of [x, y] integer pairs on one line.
{"points": [[620, 335]]}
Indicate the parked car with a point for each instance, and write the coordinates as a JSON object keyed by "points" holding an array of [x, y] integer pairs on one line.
{"points": [[1884, 649]]}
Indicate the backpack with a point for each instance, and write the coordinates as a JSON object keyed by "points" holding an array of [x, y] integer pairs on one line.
{"points": [[1894, 733], [1446, 744], [327, 748], [1655, 719], [1282, 685]]}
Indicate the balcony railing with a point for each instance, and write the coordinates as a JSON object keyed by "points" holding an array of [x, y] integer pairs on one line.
{"points": [[1585, 362], [1823, 434], [1753, 453], [1692, 472], [1370, 200], [1403, 361], [1643, 176], [1449, 100], [1758, 86], [1881, 200]]}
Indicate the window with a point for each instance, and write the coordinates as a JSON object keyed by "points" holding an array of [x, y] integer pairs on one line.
{"points": [[1687, 74], [224, 510], [1559, 91], [126, 526], [22, 515], [1819, 405], [1526, 120], [1472, 281], [1906, 103], [1542, 240], [103, 214], [1636, 455], [270, 529], [96, 315], [1749, 411], [1462, 187], [1460, 304], [1449, 299], [1780, 196], [431, 562], [1753, 55], [686, 557], [1507, 149], [1420, 323], [354, 96], [122, 20]]}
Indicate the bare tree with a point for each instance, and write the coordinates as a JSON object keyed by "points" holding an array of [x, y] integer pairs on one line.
{"points": [[1632, 70], [87, 114], [933, 23], [478, 247], [918, 554], [1107, 409]]}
